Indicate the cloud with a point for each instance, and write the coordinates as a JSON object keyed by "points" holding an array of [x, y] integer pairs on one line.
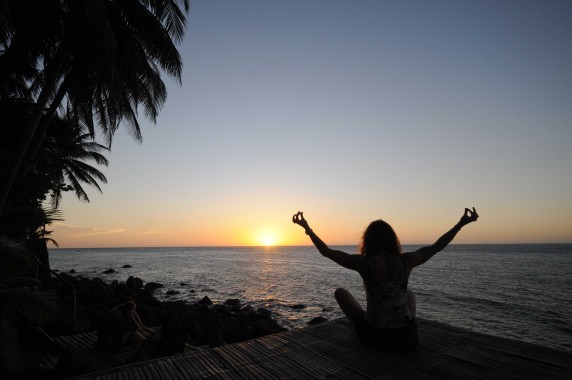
{"points": [[78, 232], [150, 232]]}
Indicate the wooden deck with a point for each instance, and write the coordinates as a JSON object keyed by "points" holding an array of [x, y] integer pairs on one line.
{"points": [[330, 351], [83, 346]]}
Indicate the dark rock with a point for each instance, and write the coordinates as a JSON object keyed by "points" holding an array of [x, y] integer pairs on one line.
{"points": [[127, 266], [233, 302], [134, 283], [198, 330], [205, 301], [192, 291], [222, 310], [172, 292], [329, 308], [229, 326], [151, 286], [265, 327], [264, 313], [122, 290], [146, 297], [202, 323], [215, 339], [174, 336], [66, 277], [110, 270], [240, 335], [247, 316], [194, 314], [183, 284], [72, 271], [298, 306], [151, 314], [247, 309], [317, 320], [245, 320]]}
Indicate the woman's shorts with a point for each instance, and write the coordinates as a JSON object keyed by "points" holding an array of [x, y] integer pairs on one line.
{"points": [[403, 338]]}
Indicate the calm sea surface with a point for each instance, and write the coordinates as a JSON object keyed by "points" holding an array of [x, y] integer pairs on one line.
{"points": [[515, 291]]}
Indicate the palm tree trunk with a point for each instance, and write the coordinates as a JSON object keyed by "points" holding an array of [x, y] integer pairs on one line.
{"points": [[43, 126], [29, 130], [39, 248]]}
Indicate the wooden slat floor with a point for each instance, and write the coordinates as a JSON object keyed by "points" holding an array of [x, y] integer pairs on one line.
{"points": [[331, 351], [83, 345]]}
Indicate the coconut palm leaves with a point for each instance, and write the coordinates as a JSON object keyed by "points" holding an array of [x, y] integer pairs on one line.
{"points": [[16, 262], [26, 37], [70, 147], [27, 307], [107, 78], [105, 57], [26, 222]]}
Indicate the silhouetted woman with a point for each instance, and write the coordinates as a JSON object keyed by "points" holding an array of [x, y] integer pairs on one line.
{"points": [[389, 320]]}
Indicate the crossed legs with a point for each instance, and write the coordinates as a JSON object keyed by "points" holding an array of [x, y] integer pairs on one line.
{"points": [[352, 309]]}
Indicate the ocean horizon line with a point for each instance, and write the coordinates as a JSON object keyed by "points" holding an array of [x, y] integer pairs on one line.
{"points": [[296, 246]]}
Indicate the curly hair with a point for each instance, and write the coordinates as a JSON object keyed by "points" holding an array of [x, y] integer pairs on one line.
{"points": [[380, 239]]}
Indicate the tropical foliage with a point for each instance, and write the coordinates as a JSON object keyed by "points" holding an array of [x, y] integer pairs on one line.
{"points": [[68, 146], [68, 67], [70, 70], [104, 58]]}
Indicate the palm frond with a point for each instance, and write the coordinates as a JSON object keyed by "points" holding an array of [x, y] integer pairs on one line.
{"points": [[22, 218], [26, 307], [14, 253]]}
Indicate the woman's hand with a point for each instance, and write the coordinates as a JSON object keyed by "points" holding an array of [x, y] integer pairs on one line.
{"points": [[469, 217], [298, 218]]}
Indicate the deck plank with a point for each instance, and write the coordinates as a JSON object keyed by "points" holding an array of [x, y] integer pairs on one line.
{"points": [[331, 350]]}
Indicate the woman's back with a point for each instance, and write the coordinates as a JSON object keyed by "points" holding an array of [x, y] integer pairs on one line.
{"points": [[386, 268], [385, 283]]}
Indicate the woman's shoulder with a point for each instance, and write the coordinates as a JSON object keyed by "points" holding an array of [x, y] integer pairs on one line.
{"points": [[385, 268], [409, 258]]}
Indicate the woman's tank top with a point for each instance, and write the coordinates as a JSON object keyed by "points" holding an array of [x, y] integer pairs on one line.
{"points": [[387, 302]]}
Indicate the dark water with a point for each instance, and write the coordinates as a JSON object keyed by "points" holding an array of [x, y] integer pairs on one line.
{"points": [[515, 291]]}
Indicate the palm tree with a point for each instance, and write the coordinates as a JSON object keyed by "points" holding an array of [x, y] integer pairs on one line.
{"points": [[37, 24], [69, 147], [105, 56], [63, 164]]}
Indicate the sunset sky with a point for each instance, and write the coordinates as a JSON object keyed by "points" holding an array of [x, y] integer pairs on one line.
{"points": [[350, 111]]}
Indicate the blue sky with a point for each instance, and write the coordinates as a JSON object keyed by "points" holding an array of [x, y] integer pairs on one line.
{"points": [[350, 111]]}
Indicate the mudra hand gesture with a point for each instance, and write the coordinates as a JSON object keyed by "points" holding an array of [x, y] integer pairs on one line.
{"points": [[469, 217], [298, 218]]}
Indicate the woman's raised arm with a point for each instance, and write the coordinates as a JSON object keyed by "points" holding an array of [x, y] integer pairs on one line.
{"points": [[342, 258], [423, 254]]}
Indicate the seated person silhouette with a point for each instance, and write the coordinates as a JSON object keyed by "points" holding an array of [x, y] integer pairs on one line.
{"points": [[388, 323]]}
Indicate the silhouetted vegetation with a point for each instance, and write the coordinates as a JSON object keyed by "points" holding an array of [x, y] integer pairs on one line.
{"points": [[68, 69]]}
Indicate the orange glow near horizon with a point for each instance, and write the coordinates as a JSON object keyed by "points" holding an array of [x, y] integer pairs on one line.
{"points": [[268, 238], [277, 229]]}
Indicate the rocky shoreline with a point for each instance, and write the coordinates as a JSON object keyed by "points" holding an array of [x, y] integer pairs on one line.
{"points": [[201, 323]]}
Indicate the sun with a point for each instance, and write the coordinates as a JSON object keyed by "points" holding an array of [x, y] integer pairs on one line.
{"points": [[267, 239]]}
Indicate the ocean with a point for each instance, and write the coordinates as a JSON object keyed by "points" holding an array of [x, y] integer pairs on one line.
{"points": [[515, 291]]}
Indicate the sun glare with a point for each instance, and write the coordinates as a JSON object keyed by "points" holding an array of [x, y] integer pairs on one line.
{"points": [[267, 239]]}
